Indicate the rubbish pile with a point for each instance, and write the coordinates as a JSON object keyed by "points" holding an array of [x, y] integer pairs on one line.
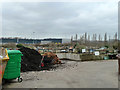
{"points": [[49, 60], [31, 60]]}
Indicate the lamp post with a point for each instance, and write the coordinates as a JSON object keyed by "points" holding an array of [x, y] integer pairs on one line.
{"points": [[33, 38]]}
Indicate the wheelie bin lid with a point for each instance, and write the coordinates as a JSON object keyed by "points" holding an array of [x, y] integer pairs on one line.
{"points": [[14, 52]]}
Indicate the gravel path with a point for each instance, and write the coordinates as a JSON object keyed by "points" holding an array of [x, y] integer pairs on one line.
{"points": [[93, 74]]}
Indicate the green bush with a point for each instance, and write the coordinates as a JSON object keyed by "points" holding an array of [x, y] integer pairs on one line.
{"points": [[19, 45]]}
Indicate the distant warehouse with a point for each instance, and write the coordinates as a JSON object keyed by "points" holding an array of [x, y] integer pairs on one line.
{"points": [[32, 41]]}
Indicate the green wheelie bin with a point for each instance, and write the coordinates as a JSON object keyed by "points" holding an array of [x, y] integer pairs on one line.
{"points": [[13, 67]]}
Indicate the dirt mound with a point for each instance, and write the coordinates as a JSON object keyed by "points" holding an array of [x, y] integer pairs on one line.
{"points": [[31, 60]]}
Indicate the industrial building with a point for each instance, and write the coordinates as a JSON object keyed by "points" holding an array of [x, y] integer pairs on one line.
{"points": [[31, 41]]}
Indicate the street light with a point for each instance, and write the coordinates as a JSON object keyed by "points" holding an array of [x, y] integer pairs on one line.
{"points": [[33, 37]]}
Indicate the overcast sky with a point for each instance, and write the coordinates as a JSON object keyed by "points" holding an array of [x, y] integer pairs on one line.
{"points": [[58, 20]]}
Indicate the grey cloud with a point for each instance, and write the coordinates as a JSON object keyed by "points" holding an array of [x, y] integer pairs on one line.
{"points": [[58, 19]]}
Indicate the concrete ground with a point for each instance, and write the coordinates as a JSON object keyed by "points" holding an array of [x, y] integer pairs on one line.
{"points": [[92, 74]]}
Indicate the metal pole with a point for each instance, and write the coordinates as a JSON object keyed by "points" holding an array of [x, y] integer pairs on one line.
{"points": [[33, 38]]}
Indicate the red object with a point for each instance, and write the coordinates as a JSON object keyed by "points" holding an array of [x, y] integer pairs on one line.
{"points": [[42, 64]]}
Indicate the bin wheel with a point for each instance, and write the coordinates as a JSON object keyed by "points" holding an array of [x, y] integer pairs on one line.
{"points": [[3, 81], [20, 79]]}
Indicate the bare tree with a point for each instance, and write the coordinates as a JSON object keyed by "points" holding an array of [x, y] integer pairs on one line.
{"points": [[76, 37], [115, 36], [109, 38], [95, 36], [105, 39], [88, 37], [82, 39], [99, 37], [85, 37]]}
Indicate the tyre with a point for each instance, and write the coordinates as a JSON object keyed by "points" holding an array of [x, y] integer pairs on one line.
{"points": [[20, 79]]}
